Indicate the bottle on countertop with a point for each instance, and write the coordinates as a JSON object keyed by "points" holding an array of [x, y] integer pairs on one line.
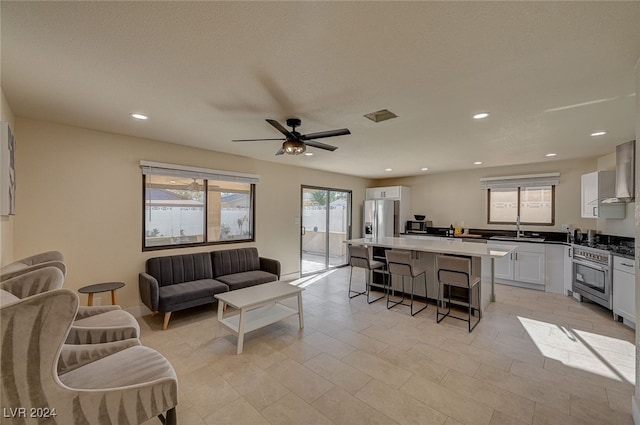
{"points": [[451, 233]]}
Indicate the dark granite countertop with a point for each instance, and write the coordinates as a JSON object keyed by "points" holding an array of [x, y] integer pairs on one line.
{"points": [[615, 243]]}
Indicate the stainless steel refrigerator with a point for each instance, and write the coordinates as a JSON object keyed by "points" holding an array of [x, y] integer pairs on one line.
{"points": [[381, 218]]}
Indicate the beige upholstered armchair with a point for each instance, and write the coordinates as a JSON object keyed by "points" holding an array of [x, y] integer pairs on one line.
{"points": [[45, 259], [92, 324], [128, 384]]}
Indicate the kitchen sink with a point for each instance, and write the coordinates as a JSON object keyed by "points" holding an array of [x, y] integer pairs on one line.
{"points": [[516, 238]]}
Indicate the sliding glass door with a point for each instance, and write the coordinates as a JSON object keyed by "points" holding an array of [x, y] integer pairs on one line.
{"points": [[326, 224]]}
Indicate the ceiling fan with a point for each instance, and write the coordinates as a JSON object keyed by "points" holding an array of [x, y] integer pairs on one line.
{"points": [[296, 143]]}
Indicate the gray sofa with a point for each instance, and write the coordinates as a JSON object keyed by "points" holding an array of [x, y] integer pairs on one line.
{"points": [[181, 281]]}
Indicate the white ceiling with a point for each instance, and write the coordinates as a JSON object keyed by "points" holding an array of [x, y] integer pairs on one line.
{"points": [[550, 73]]}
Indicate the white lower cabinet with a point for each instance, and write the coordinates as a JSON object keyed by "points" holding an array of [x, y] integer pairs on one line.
{"points": [[504, 267], [624, 290], [557, 258], [524, 267]]}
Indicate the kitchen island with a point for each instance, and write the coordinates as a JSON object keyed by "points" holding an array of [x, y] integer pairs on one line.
{"points": [[455, 247]]}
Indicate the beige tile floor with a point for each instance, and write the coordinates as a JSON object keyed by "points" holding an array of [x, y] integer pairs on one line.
{"points": [[535, 358]]}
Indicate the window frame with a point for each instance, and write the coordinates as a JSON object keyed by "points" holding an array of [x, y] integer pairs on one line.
{"points": [[250, 238], [519, 188]]}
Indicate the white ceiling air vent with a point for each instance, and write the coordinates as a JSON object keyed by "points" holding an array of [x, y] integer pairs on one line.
{"points": [[381, 115]]}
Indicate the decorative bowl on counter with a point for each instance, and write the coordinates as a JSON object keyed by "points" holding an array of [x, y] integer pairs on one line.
{"points": [[419, 217]]}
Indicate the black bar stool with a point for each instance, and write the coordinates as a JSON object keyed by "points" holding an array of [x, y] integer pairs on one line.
{"points": [[359, 257], [400, 263], [456, 271]]}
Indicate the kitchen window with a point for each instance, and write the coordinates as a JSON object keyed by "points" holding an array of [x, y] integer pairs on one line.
{"points": [[188, 206], [531, 197]]}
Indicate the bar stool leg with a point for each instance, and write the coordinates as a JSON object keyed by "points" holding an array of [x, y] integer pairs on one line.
{"points": [[426, 304], [370, 274], [90, 300], [402, 300], [114, 298], [356, 293]]}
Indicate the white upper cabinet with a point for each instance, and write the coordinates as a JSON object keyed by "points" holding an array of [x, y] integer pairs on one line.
{"points": [[391, 192], [595, 187], [394, 193]]}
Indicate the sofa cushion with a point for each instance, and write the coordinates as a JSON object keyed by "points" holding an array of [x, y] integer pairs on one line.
{"points": [[184, 293], [113, 325], [180, 268], [244, 279], [230, 261]]}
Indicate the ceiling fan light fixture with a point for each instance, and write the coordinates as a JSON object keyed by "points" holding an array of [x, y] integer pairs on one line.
{"points": [[194, 186], [381, 115], [293, 147]]}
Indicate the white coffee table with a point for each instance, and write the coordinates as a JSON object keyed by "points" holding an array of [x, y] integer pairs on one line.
{"points": [[258, 307]]}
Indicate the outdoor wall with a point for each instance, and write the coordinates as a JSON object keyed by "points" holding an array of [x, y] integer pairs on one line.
{"points": [[454, 197], [80, 192]]}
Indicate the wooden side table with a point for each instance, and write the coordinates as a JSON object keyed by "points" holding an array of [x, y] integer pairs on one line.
{"points": [[102, 287]]}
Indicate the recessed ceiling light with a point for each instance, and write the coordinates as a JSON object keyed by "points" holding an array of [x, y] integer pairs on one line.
{"points": [[424, 169], [308, 153], [480, 115], [477, 163], [598, 133], [388, 169], [139, 116], [551, 154]]}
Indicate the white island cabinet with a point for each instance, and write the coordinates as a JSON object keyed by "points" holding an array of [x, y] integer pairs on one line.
{"points": [[420, 247], [624, 290]]}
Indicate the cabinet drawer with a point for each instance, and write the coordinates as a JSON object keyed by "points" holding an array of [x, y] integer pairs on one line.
{"points": [[624, 264]]}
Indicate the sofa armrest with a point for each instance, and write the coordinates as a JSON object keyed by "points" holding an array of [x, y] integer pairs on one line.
{"points": [[88, 311], [149, 291], [75, 356], [270, 265]]}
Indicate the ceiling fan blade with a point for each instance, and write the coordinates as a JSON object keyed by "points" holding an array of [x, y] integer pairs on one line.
{"points": [[320, 145], [329, 133], [280, 152], [281, 129], [254, 140]]}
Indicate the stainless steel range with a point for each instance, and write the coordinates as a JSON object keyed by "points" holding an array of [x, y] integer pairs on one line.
{"points": [[592, 273]]}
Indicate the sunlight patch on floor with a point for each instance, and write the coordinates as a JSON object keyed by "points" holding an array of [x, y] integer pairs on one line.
{"points": [[602, 355], [310, 280]]}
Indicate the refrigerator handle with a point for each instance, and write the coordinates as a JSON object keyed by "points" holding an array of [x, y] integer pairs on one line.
{"points": [[304, 230]]}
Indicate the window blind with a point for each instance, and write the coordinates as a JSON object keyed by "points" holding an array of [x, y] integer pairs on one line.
{"points": [[161, 169], [513, 182]]}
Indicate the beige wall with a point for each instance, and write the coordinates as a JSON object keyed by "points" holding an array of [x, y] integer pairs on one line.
{"points": [[6, 221], [454, 197], [80, 192]]}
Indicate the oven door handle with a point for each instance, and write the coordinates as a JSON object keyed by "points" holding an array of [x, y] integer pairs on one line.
{"points": [[593, 266]]}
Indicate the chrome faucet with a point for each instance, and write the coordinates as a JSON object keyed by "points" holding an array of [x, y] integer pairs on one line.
{"points": [[518, 232]]}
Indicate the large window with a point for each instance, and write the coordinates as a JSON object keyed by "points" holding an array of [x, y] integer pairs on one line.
{"points": [[186, 206], [534, 205], [530, 197]]}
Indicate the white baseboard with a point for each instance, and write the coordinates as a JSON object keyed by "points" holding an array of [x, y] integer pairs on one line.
{"points": [[290, 276], [635, 412]]}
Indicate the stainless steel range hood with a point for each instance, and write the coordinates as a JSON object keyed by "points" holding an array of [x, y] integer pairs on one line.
{"points": [[625, 174]]}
